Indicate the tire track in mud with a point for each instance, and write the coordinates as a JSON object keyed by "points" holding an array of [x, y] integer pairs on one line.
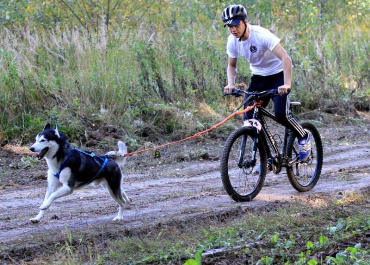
{"points": [[186, 191]]}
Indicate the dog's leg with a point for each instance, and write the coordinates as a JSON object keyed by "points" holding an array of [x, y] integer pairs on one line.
{"points": [[53, 185], [63, 191], [125, 197], [38, 217], [115, 193], [105, 185]]}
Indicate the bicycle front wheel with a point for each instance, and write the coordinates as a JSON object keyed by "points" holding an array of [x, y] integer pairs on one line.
{"points": [[243, 171], [303, 176]]}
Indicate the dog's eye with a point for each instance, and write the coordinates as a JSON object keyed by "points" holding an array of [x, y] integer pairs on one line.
{"points": [[43, 140]]}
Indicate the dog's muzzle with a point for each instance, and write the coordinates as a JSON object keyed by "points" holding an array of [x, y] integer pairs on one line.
{"points": [[40, 154]]}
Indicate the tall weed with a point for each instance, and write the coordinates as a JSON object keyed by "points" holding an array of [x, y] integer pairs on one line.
{"points": [[112, 75]]}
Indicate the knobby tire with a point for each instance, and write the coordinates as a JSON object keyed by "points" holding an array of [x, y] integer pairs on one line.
{"points": [[239, 182], [304, 176]]}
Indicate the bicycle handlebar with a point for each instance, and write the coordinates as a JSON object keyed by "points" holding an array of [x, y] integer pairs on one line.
{"points": [[238, 92]]}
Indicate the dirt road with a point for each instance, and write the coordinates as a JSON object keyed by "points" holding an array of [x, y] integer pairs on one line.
{"points": [[163, 193]]}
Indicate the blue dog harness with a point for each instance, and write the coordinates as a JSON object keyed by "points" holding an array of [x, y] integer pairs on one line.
{"points": [[100, 160]]}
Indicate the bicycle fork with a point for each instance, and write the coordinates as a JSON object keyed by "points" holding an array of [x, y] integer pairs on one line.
{"points": [[252, 160], [242, 151]]}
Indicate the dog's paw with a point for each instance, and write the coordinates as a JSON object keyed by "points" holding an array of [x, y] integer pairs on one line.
{"points": [[34, 220], [117, 218]]}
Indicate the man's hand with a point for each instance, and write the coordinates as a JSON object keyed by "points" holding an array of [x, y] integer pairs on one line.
{"points": [[228, 89], [284, 89]]}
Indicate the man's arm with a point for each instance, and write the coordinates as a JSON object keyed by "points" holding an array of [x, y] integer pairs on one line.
{"points": [[231, 75], [287, 68]]}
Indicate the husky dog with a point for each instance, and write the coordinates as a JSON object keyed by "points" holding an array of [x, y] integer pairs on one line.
{"points": [[70, 168]]}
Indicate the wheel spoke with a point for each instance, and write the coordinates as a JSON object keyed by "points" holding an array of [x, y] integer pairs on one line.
{"points": [[304, 175], [237, 167]]}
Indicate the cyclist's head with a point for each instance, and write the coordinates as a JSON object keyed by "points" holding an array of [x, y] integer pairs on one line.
{"points": [[233, 14]]}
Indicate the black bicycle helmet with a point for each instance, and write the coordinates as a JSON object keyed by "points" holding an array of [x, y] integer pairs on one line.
{"points": [[233, 14]]}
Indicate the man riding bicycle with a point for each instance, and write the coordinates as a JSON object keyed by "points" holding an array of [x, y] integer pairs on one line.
{"points": [[271, 68]]}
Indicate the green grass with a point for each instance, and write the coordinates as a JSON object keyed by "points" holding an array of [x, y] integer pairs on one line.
{"points": [[333, 232], [166, 74]]}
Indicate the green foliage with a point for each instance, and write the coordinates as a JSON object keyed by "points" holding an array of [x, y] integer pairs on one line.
{"points": [[197, 260], [265, 261], [351, 255], [254, 237], [101, 61]]}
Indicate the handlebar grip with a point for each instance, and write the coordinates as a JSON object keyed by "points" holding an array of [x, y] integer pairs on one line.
{"points": [[276, 91], [235, 93]]}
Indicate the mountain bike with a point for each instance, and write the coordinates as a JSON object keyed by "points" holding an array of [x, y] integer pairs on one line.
{"points": [[250, 151]]}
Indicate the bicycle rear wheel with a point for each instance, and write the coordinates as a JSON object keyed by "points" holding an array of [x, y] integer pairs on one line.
{"points": [[303, 176], [237, 165]]}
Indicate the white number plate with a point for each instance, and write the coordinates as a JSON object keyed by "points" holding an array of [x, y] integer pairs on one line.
{"points": [[254, 123]]}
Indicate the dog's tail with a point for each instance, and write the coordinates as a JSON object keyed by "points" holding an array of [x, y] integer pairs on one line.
{"points": [[118, 156]]}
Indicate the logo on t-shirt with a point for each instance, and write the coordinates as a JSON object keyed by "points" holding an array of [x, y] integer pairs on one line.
{"points": [[253, 49]]}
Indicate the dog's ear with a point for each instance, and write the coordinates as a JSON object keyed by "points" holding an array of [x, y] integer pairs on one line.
{"points": [[56, 130], [47, 127]]}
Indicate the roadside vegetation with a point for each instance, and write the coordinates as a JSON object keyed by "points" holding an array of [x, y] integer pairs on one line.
{"points": [[320, 231], [156, 70], [159, 67]]}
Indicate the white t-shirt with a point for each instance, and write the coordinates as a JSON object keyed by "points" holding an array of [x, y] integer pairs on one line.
{"points": [[257, 50]]}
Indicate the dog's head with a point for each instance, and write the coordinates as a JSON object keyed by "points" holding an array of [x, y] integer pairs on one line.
{"points": [[47, 142]]}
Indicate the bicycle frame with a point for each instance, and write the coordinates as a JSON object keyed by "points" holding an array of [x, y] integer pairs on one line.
{"points": [[260, 113], [280, 160]]}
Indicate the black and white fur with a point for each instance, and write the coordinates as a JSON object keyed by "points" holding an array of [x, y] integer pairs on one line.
{"points": [[80, 168]]}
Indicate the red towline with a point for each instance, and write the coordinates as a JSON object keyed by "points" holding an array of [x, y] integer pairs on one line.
{"points": [[197, 134]]}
